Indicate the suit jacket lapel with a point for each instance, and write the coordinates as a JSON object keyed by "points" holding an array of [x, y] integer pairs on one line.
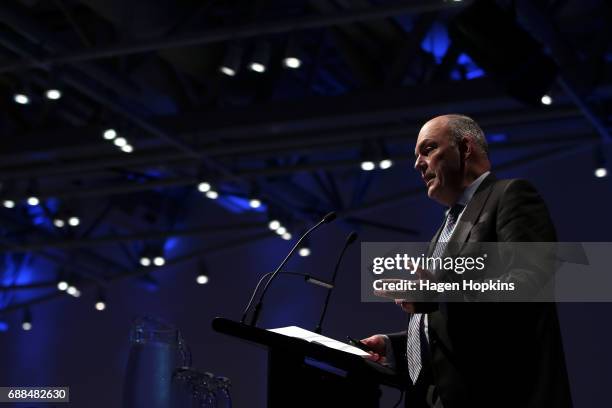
{"points": [[470, 215]]}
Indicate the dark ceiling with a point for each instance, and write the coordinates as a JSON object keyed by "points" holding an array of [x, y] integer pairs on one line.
{"points": [[372, 71]]}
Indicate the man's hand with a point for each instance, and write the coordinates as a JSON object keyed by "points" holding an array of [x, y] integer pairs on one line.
{"points": [[406, 306], [377, 343]]}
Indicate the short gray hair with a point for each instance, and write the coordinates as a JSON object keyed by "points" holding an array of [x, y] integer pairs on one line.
{"points": [[461, 125]]}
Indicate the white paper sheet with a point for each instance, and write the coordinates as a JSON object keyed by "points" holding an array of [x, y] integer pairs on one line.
{"points": [[298, 332]]}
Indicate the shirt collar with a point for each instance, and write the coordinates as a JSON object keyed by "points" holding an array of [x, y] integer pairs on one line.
{"points": [[468, 193]]}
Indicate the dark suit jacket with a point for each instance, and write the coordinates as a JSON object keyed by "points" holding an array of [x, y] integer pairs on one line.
{"points": [[496, 354]]}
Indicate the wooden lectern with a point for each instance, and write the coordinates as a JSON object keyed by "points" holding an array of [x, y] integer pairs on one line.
{"points": [[304, 374]]}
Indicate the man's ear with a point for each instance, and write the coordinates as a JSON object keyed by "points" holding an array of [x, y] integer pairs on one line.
{"points": [[465, 148]]}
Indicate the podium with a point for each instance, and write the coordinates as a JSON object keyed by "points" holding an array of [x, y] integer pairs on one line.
{"points": [[305, 374]]}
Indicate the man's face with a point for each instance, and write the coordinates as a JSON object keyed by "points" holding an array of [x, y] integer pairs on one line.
{"points": [[439, 161]]}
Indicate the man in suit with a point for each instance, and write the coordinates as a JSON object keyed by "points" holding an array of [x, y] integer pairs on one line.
{"points": [[478, 354]]}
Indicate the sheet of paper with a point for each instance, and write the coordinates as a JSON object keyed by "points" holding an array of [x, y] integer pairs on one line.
{"points": [[294, 331]]}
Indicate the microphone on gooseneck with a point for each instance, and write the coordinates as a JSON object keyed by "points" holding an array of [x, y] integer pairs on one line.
{"points": [[327, 219], [349, 240]]}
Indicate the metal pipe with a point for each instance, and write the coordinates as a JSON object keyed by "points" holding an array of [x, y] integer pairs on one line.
{"points": [[140, 236]]}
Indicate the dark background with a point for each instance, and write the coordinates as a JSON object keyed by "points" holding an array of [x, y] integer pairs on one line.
{"points": [[372, 73]]}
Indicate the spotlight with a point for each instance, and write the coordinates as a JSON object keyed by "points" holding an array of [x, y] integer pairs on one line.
{"points": [[53, 94], [281, 230], [292, 58], [255, 203], [286, 236], [212, 194], [292, 62], [120, 142], [8, 203], [159, 261], [231, 61], [21, 99], [601, 169], [109, 134], [145, 261], [274, 225], [601, 172], [74, 221], [59, 223], [261, 57], [227, 71], [127, 148], [367, 165], [101, 301], [26, 323], [204, 187], [62, 285], [257, 67], [546, 100], [33, 200], [73, 291], [385, 164], [304, 251], [202, 279]]}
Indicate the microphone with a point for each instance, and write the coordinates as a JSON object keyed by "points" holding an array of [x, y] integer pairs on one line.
{"points": [[325, 220], [349, 240]]}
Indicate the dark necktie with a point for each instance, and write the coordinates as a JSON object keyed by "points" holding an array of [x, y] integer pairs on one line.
{"points": [[413, 343]]}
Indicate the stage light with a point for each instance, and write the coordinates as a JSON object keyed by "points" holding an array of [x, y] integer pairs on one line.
{"points": [[601, 172], [286, 236], [145, 261], [281, 230], [127, 148], [53, 94], [261, 57], [62, 285], [599, 158], [109, 134], [26, 323], [204, 187], [33, 200], [73, 291], [254, 203], [257, 67], [77, 293], [202, 279], [159, 261], [546, 100], [21, 99], [385, 164], [8, 203], [292, 62], [74, 221], [59, 223], [120, 142], [367, 165], [212, 194], [293, 55], [231, 61], [304, 251], [274, 225], [100, 301], [227, 71]]}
